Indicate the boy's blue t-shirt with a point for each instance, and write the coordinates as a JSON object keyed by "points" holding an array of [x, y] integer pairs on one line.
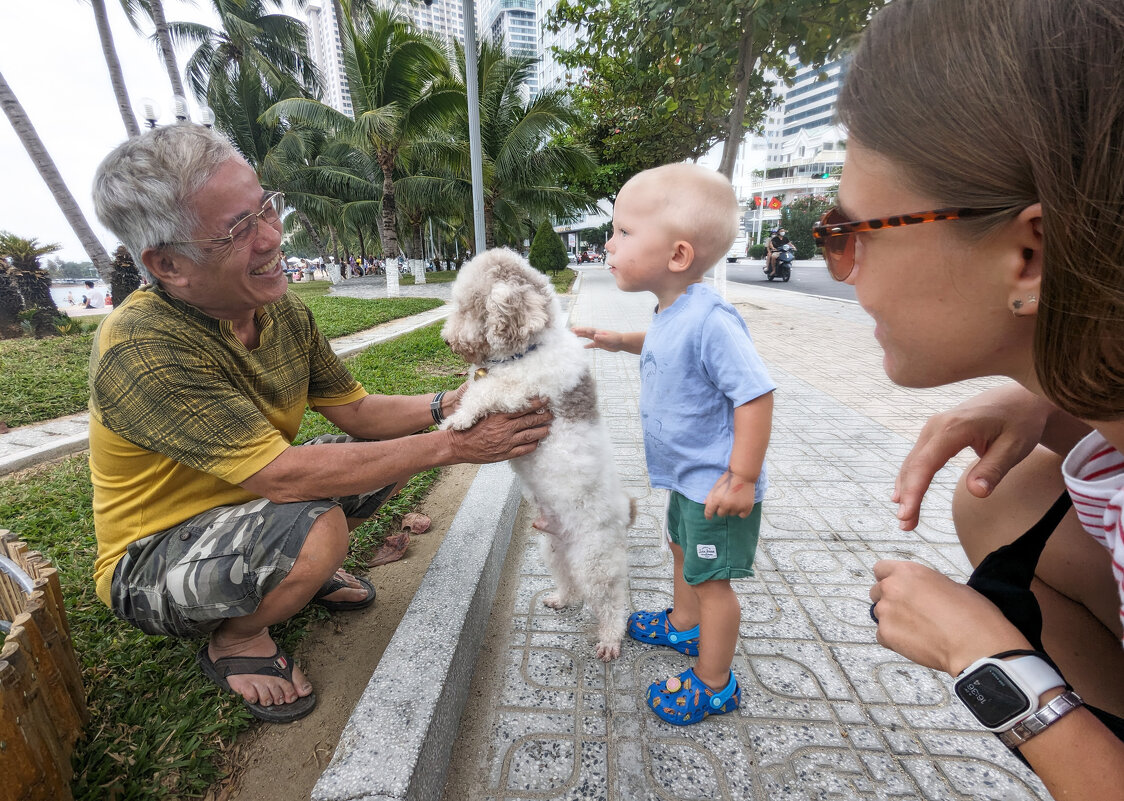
{"points": [[697, 365]]}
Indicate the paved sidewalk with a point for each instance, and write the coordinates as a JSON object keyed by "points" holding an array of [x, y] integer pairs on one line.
{"points": [[826, 712], [29, 445]]}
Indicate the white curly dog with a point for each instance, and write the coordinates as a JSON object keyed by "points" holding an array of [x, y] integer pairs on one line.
{"points": [[506, 321]]}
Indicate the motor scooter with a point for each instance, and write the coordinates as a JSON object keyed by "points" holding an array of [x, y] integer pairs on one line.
{"points": [[782, 268]]}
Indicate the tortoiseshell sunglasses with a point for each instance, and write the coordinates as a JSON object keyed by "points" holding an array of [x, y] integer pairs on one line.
{"points": [[834, 234]]}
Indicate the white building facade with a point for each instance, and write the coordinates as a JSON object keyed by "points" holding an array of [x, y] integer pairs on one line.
{"points": [[802, 150], [515, 25]]}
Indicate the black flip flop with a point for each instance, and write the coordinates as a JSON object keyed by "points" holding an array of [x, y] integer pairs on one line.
{"points": [[337, 583], [280, 665]]}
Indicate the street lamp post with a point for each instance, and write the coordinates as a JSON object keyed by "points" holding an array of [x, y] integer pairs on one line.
{"points": [[475, 157]]}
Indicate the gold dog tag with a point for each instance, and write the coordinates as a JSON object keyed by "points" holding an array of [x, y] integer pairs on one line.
{"points": [[481, 372]]}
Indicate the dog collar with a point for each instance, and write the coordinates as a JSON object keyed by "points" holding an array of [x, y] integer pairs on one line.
{"points": [[483, 370]]}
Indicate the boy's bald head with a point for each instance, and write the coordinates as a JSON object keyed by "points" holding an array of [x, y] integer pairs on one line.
{"points": [[695, 203]]}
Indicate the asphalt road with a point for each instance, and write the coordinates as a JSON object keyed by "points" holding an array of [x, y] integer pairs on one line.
{"points": [[809, 277]]}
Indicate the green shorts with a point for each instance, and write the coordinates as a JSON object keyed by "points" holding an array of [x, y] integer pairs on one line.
{"points": [[719, 548]]}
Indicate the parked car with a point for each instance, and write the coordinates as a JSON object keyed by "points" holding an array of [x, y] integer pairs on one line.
{"points": [[589, 256], [738, 249]]}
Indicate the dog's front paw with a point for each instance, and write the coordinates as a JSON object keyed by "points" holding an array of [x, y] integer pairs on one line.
{"points": [[608, 650], [459, 421]]}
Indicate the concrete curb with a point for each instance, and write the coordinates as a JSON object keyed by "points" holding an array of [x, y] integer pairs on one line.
{"points": [[399, 739], [398, 742]]}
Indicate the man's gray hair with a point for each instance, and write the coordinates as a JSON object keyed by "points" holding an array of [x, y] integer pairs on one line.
{"points": [[143, 188]]}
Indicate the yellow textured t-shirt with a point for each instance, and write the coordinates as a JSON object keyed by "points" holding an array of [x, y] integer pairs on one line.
{"points": [[181, 411]]}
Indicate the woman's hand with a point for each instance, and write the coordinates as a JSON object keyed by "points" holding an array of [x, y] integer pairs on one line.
{"points": [[1001, 425], [934, 621]]}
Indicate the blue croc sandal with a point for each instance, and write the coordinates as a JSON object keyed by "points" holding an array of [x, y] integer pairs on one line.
{"points": [[683, 699], [655, 628]]}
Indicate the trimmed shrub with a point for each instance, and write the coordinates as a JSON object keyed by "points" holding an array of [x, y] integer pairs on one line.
{"points": [[548, 254]]}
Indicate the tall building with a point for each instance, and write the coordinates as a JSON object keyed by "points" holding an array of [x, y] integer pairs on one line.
{"points": [[802, 150], [514, 23], [327, 51], [553, 76], [445, 18]]}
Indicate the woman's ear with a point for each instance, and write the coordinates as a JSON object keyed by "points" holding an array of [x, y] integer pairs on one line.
{"points": [[1026, 277]]}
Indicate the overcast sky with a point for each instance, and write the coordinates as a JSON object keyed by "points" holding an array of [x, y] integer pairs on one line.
{"points": [[51, 57]]}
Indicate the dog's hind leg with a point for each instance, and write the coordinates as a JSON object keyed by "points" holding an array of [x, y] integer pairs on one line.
{"points": [[556, 553], [606, 593]]}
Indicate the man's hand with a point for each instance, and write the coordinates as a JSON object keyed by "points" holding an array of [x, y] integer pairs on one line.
{"points": [[933, 621], [730, 495], [499, 437]]}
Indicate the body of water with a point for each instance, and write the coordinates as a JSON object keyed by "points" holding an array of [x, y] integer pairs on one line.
{"points": [[67, 295]]}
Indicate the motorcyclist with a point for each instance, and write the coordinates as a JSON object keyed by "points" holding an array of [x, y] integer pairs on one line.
{"points": [[777, 241]]}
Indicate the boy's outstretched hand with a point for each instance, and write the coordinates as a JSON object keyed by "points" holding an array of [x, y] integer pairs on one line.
{"points": [[598, 338], [612, 341], [730, 495]]}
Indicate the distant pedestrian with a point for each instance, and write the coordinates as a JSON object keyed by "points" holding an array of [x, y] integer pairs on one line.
{"points": [[706, 446], [95, 296]]}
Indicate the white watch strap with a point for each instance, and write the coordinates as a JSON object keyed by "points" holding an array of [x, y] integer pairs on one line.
{"points": [[1050, 713], [1036, 673]]}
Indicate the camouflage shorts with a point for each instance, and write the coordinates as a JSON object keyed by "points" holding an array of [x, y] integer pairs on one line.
{"points": [[186, 580]]}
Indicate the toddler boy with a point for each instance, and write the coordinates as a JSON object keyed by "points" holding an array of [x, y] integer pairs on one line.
{"points": [[706, 407]]}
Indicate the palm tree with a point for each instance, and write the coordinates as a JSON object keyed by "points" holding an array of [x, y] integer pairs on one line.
{"points": [[116, 78], [154, 10], [274, 46], [31, 280], [400, 88], [50, 174], [525, 166]]}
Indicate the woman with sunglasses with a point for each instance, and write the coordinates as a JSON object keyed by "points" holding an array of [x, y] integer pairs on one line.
{"points": [[1010, 135]]}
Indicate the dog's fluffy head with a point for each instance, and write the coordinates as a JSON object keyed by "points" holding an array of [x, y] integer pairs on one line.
{"points": [[501, 304]]}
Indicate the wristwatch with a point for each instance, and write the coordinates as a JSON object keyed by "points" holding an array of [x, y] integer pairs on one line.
{"points": [[1002, 694]]}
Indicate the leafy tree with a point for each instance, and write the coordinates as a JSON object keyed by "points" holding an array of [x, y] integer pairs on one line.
{"points": [[273, 46], [547, 250], [798, 217], [400, 87], [126, 276], [642, 100], [31, 280], [154, 11], [705, 60], [116, 77], [528, 167]]}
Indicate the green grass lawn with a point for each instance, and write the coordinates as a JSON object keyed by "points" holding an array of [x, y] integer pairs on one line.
{"points": [[156, 725], [47, 378]]}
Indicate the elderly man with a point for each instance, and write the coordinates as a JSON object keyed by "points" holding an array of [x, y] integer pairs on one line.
{"points": [[209, 521]]}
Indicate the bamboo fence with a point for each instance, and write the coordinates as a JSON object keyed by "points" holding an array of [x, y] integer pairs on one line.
{"points": [[42, 702]]}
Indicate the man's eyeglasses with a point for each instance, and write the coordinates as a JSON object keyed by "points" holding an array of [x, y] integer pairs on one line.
{"points": [[243, 232], [834, 233]]}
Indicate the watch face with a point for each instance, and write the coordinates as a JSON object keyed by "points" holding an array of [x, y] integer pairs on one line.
{"points": [[992, 697]]}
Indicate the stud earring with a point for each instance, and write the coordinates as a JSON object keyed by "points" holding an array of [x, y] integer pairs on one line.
{"points": [[1016, 305], [1032, 299]]}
